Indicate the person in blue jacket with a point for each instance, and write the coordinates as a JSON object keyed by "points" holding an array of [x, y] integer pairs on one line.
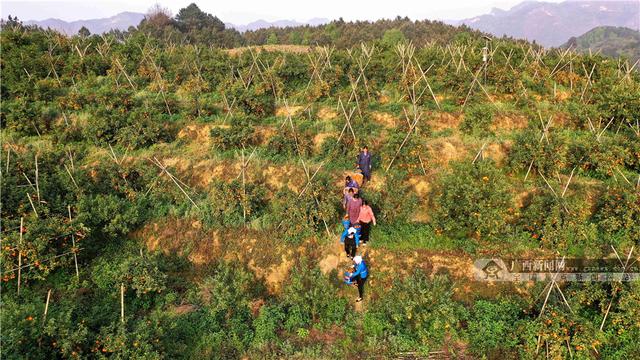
{"points": [[359, 275], [350, 238]]}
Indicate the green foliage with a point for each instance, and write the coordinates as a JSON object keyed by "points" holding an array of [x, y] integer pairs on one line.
{"points": [[109, 214], [531, 152], [285, 145], [611, 41], [399, 322], [126, 119], [225, 296], [266, 325], [229, 204], [618, 213], [473, 201], [240, 133], [310, 298], [299, 217], [392, 37], [136, 272], [490, 327], [477, 120], [395, 202], [73, 102], [256, 100]]}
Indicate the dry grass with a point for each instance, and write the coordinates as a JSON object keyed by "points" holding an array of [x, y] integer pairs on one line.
{"points": [[326, 113], [509, 122], [385, 119], [442, 121]]}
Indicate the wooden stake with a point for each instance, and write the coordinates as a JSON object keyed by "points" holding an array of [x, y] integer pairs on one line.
{"points": [[568, 181], [479, 154], [8, 158], [46, 307], [70, 175], [244, 190], [32, 206], [20, 254], [165, 171], [73, 242], [37, 185], [122, 303]]}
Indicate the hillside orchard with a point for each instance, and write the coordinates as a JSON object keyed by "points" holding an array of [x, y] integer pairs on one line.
{"points": [[156, 201]]}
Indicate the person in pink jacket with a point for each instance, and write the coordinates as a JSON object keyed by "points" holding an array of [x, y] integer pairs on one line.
{"points": [[365, 218]]}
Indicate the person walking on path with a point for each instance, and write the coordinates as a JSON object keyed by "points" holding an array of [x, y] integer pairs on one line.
{"points": [[351, 242], [346, 224], [349, 183], [348, 196], [365, 218], [364, 163], [359, 275], [353, 208]]}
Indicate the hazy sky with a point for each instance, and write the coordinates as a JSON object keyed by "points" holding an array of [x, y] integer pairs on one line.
{"points": [[245, 11]]}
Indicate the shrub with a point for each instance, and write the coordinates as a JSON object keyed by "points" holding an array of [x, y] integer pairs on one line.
{"points": [[285, 145], [399, 321], [547, 156], [477, 120], [266, 325], [396, 201], [597, 159], [256, 100], [559, 223], [300, 217], [618, 213], [491, 326], [240, 133], [472, 200], [309, 298], [227, 203]]}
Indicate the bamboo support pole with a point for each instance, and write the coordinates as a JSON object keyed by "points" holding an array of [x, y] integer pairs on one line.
{"points": [[73, 243], [37, 176], [20, 254], [122, 303], [46, 307]]}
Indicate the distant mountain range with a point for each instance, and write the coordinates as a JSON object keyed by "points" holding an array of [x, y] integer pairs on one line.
{"points": [[262, 24], [124, 20], [610, 41], [551, 24], [120, 21]]}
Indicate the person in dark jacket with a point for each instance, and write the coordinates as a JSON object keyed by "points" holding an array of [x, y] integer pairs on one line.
{"points": [[351, 242], [350, 183], [364, 163], [359, 275]]}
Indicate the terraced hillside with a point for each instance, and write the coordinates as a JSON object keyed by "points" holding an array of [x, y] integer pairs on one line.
{"points": [[170, 201]]}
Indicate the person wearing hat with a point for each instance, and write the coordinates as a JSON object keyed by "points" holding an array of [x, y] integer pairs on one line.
{"points": [[359, 275], [351, 241]]}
